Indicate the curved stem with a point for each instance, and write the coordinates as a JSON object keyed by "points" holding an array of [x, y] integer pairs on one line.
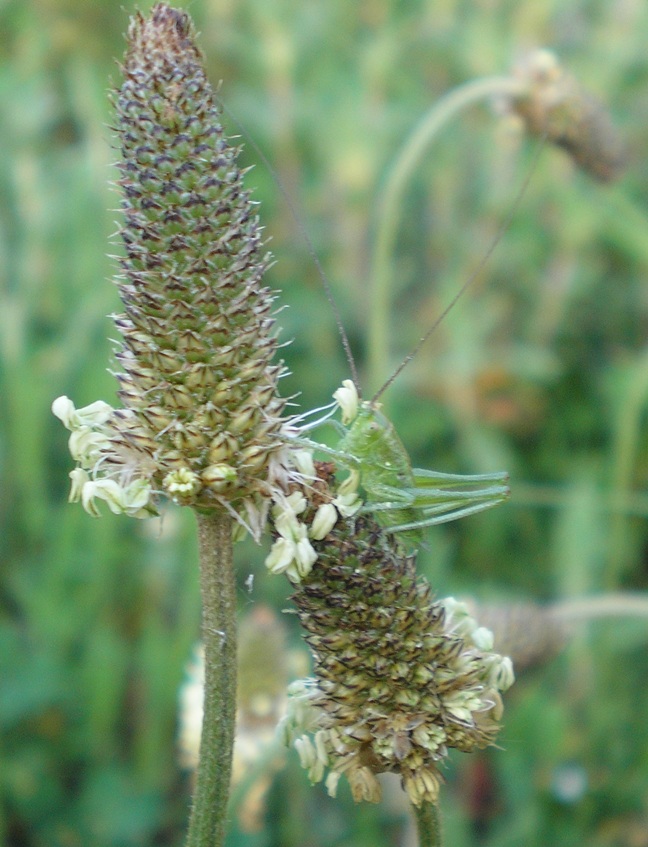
{"points": [[617, 605], [389, 207], [428, 825], [218, 590]]}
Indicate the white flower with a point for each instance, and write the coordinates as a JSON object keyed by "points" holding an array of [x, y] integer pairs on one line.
{"points": [[501, 674], [305, 556], [303, 460], [286, 511], [347, 399], [85, 446], [350, 484], [281, 556], [300, 716], [296, 502], [331, 783], [287, 524], [305, 750], [136, 499], [325, 519], [482, 638], [458, 618], [312, 757], [79, 478], [64, 410], [348, 505], [98, 489], [347, 501], [309, 759], [320, 746], [292, 553], [94, 415], [131, 500]]}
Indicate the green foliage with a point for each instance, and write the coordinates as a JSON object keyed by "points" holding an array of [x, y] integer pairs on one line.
{"points": [[541, 369]]}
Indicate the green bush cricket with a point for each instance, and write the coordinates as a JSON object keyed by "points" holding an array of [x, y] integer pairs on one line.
{"points": [[403, 499]]}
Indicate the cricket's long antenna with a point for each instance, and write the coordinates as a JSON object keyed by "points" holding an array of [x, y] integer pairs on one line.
{"points": [[307, 240], [473, 276]]}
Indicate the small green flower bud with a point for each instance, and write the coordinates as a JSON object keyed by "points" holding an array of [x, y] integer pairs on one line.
{"points": [[182, 483], [219, 476]]}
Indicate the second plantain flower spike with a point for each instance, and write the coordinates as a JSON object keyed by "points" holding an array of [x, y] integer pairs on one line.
{"points": [[201, 413], [399, 677]]}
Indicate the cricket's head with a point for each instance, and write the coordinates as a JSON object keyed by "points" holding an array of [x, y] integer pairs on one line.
{"points": [[366, 435], [369, 434]]}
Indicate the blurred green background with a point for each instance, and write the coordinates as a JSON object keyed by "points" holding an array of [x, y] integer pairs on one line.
{"points": [[542, 369]]}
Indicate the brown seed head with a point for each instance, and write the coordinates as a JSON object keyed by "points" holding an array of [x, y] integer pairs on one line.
{"points": [[558, 107]]}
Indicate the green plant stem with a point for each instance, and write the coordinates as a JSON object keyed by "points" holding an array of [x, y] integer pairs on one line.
{"points": [[627, 445], [402, 169], [428, 825], [218, 589], [616, 605]]}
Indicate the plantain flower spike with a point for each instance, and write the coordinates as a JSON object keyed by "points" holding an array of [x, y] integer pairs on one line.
{"points": [[558, 107], [201, 414], [399, 677]]}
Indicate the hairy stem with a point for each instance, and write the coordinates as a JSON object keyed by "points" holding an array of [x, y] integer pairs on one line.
{"points": [[401, 171], [428, 825], [218, 589], [615, 605]]}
